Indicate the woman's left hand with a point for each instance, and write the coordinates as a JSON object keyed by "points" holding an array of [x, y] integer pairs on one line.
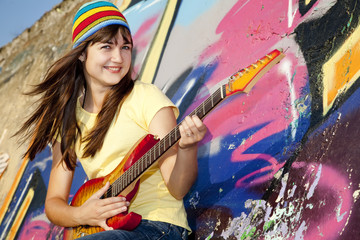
{"points": [[192, 131]]}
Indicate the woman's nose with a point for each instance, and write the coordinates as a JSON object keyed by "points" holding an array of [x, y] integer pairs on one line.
{"points": [[116, 55]]}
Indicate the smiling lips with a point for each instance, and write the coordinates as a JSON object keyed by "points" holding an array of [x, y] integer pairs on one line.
{"points": [[113, 69]]}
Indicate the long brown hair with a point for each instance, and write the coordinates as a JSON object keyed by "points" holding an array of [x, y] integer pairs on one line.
{"points": [[56, 113]]}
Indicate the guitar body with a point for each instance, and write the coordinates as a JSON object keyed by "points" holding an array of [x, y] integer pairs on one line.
{"points": [[125, 220]]}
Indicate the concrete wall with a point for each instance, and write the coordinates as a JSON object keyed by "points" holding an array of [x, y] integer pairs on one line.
{"points": [[280, 162]]}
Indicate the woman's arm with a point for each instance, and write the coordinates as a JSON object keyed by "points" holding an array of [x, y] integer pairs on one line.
{"points": [[179, 166], [93, 212]]}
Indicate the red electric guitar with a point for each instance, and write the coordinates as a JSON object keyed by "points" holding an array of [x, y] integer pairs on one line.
{"points": [[125, 178]]}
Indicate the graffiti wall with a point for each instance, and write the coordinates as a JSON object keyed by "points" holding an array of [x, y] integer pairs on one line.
{"points": [[279, 162]]}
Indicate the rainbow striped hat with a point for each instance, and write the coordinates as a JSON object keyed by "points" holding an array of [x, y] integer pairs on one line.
{"points": [[93, 16]]}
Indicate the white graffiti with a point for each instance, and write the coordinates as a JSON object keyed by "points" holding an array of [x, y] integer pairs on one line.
{"points": [[291, 14]]}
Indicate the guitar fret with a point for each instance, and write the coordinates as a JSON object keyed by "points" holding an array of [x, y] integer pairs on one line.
{"points": [[153, 159], [120, 188], [159, 150], [142, 163], [137, 168], [130, 174], [136, 171], [150, 157], [203, 108], [170, 138], [126, 178]]}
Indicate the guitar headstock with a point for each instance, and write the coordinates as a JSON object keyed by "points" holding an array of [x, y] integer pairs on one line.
{"points": [[245, 79]]}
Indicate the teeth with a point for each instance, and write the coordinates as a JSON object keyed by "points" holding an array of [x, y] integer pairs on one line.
{"points": [[114, 68]]}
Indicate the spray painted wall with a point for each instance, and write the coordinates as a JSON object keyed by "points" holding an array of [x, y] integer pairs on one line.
{"points": [[280, 162]]}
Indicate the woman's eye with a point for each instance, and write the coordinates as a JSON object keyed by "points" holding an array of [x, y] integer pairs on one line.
{"points": [[105, 46], [126, 47]]}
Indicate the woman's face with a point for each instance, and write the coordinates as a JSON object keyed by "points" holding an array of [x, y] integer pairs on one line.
{"points": [[106, 63]]}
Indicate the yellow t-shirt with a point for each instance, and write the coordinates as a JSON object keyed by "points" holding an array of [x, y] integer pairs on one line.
{"points": [[153, 200]]}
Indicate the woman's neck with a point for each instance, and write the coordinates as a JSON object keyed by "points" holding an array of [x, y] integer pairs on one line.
{"points": [[92, 101]]}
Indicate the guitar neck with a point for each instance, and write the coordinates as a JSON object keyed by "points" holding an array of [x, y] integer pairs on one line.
{"points": [[151, 156]]}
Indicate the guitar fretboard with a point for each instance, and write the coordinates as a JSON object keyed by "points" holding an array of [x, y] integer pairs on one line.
{"points": [[151, 156]]}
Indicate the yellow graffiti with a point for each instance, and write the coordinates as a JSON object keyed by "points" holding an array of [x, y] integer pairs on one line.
{"points": [[21, 214], [152, 59], [13, 188], [307, 2], [342, 70], [122, 4], [151, 62]]}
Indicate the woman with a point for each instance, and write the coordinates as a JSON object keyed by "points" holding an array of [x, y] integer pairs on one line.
{"points": [[90, 109]]}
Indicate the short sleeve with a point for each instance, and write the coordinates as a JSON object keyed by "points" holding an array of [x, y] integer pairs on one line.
{"points": [[158, 101], [146, 100]]}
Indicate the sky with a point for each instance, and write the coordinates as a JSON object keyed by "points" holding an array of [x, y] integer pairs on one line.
{"points": [[18, 15]]}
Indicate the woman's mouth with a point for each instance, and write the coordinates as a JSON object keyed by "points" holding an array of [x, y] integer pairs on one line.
{"points": [[113, 69]]}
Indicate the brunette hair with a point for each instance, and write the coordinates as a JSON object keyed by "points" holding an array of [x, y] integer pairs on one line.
{"points": [[56, 113]]}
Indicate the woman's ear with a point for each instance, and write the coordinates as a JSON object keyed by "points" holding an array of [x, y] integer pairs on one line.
{"points": [[82, 57]]}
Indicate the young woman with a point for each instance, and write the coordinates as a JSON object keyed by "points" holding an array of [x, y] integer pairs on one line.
{"points": [[91, 110]]}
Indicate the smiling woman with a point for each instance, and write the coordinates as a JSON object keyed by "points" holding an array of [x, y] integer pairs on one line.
{"points": [[89, 102], [105, 64]]}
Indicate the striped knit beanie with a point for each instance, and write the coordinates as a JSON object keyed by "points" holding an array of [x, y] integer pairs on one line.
{"points": [[93, 16]]}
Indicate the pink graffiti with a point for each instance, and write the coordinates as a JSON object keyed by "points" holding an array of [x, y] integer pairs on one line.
{"points": [[269, 104], [36, 229], [333, 188], [249, 30], [255, 34], [142, 38], [270, 170]]}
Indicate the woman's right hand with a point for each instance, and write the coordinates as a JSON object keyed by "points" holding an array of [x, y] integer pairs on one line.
{"points": [[96, 211], [93, 212]]}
